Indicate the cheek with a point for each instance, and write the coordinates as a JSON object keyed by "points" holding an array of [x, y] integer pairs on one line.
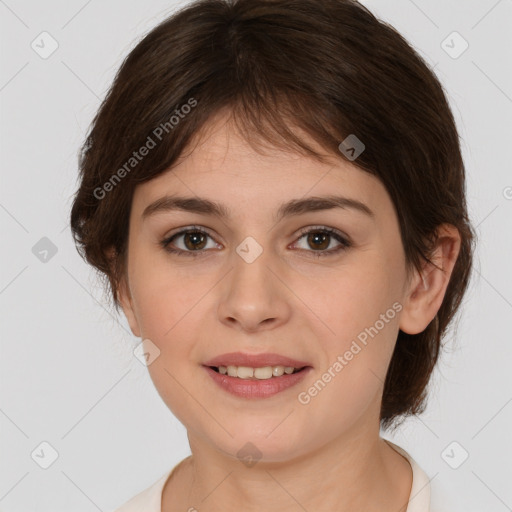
{"points": [[361, 309], [352, 375], [166, 298], [168, 314], [356, 299]]}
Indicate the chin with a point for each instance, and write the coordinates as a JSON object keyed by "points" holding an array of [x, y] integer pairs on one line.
{"points": [[252, 447]]}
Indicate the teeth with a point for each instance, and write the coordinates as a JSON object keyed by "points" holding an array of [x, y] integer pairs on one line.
{"points": [[266, 372]]}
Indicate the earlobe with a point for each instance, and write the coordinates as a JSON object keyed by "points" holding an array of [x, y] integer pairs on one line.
{"points": [[428, 288]]}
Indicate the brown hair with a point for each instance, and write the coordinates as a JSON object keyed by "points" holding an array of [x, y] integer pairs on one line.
{"points": [[328, 67]]}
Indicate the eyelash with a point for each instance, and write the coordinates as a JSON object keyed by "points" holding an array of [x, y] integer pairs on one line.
{"points": [[345, 244]]}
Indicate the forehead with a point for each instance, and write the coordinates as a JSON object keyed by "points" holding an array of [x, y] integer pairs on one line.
{"points": [[222, 166]]}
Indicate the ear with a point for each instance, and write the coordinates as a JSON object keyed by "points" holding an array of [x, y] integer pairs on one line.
{"points": [[124, 295], [427, 289]]}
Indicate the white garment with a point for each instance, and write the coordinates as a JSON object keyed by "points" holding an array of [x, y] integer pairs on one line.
{"points": [[150, 499]]}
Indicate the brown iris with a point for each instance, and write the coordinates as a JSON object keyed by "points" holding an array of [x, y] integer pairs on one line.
{"points": [[314, 237], [195, 237]]}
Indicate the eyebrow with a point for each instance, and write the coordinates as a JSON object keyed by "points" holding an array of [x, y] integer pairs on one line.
{"points": [[291, 208]]}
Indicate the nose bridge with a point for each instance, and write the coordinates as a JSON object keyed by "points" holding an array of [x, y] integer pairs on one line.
{"points": [[253, 295]]}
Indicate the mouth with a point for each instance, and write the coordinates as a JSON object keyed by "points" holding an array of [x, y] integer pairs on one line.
{"points": [[254, 361], [255, 376], [260, 373]]}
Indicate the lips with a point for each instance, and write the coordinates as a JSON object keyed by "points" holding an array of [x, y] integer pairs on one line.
{"points": [[249, 389], [254, 360]]}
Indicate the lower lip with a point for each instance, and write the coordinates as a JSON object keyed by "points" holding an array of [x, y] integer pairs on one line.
{"points": [[256, 388]]}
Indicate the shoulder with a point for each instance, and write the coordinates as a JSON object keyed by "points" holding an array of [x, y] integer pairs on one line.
{"points": [[149, 500], [419, 498], [427, 494]]}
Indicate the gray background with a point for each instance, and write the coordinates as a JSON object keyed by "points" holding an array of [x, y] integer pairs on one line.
{"points": [[67, 373]]}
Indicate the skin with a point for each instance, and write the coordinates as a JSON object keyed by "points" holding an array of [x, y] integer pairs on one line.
{"points": [[286, 301]]}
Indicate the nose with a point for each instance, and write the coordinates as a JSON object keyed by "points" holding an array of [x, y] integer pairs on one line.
{"points": [[253, 296]]}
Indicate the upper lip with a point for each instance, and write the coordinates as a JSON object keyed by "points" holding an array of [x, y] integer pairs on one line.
{"points": [[254, 360]]}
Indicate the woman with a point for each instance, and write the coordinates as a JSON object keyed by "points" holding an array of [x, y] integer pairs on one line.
{"points": [[275, 192]]}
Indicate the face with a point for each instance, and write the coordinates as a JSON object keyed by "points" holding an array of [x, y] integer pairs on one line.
{"points": [[258, 283]]}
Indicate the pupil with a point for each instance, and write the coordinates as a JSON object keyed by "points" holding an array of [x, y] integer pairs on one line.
{"points": [[194, 237], [313, 238]]}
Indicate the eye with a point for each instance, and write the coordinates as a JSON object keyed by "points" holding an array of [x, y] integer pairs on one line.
{"points": [[320, 238], [193, 238], [194, 241]]}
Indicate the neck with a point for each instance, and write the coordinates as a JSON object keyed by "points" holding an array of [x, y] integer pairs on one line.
{"points": [[356, 471]]}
